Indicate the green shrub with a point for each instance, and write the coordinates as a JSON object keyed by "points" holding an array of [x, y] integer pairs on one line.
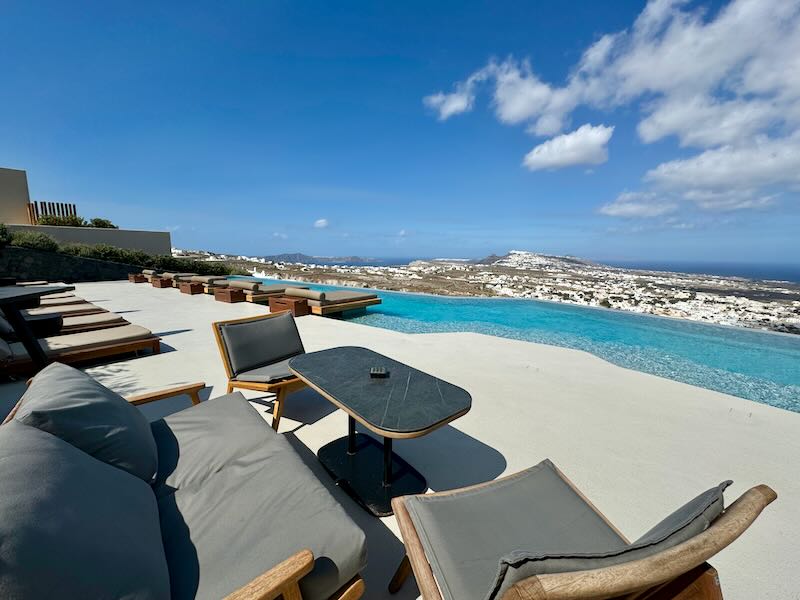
{"points": [[143, 260], [68, 221], [35, 240], [102, 223], [5, 236]]}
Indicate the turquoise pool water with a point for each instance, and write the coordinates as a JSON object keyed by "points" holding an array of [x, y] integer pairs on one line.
{"points": [[761, 366]]}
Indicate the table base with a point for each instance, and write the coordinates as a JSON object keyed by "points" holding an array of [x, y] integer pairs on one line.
{"points": [[361, 474]]}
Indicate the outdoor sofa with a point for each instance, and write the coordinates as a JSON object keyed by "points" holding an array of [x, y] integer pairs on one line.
{"points": [[206, 503], [534, 536], [330, 302]]}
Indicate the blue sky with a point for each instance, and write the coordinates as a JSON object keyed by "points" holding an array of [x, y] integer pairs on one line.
{"points": [[617, 131]]}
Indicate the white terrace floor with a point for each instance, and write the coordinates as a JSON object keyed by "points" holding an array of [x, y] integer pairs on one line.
{"points": [[639, 446]]}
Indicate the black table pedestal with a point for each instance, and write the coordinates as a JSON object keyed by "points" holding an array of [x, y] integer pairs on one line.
{"points": [[372, 475]]}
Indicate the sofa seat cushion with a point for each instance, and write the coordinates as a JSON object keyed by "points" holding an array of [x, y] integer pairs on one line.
{"points": [[342, 296], [73, 527], [69, 404], [207, 278], [231, 482], [268, 373]]}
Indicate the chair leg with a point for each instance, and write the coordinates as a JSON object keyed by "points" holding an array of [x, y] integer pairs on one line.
{"points": [[230, 388], [277, 411], [400, 576]]}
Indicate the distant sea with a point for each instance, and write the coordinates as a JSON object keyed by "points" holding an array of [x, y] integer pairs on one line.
{"points": [[751, 271], [783, 272]]}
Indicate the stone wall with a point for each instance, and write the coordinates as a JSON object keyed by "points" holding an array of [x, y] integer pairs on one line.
{"points": [[28, 264]]}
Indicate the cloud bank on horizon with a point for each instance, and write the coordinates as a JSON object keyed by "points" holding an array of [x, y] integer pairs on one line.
{"points": [[727, 87]]}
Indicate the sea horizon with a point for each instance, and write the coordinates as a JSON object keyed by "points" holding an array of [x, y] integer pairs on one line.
{"points": [[755, 271]]}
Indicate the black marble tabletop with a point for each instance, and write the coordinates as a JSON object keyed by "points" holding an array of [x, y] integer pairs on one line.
{"points": [[408, 401]]}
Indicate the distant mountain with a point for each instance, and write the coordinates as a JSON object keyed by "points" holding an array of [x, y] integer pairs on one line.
{"points": [[299, 257]]}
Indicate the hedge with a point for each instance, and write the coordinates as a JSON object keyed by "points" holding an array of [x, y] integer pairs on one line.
{"points": [[75, 221], [42, 241]]}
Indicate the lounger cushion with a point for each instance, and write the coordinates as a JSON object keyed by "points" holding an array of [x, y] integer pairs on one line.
{"points": [[84, 308], [149, 272], [107, 319], [55, 345], [61, 301], [183, 276], [253, 344], [267, 373], [207, 278], [69, 404], [229, 481], [465, 534], [72, 526], [244, 285], [305, 293], [342, 296]]}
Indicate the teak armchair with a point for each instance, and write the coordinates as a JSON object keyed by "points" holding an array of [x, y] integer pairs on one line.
{"points": [[679, 572], [255, 352]]}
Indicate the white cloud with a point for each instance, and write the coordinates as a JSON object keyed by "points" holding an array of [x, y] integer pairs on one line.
{"points": [[584, 146], [321, 223], [402, 233], [280, 235], [638, 205], [726, 82]]}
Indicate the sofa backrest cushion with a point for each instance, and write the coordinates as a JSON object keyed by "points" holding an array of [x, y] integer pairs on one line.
{"points": [[244, 285], [303, 293], [72, 526], [6, 353], [252, 344], [692, 518], [71, 405], [5, 327]]}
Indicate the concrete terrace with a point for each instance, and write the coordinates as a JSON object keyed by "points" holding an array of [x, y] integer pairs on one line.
{"points": [[637, 445]]}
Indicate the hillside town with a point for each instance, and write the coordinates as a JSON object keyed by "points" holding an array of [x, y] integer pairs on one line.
{"points": [[771, 305]]}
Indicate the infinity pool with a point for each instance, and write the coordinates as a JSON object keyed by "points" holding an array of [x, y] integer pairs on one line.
{"points": [[760, 366]]}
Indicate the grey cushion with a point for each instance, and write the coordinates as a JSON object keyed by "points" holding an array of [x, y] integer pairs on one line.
{"points": [[6, 353], [73, 527], [253, 344], [149, 271], [483, 541], [5, 327], [305, 293], [465, 534], [267, 373], [207, 278], [229, 481], [692, 518], [74, 407]]}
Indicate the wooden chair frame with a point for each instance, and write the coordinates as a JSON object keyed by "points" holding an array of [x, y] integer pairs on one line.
{"points": [[283, 579], [678, 573], [280, 388]]}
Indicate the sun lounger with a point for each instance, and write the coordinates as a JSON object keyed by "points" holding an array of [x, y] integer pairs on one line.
{"points": [[172, 278], [256, 291], [55, 324], [534, 535], [60, 300], [325, 303], [150, 273], [84, 308], [77, 347], [256, 351]]}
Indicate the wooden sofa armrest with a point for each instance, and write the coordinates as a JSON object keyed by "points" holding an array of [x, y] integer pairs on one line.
{"points": [[190, 389], [280, 580]]}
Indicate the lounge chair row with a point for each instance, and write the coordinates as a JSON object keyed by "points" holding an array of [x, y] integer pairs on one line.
{"points": [[319, 302], [71, 330]]}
